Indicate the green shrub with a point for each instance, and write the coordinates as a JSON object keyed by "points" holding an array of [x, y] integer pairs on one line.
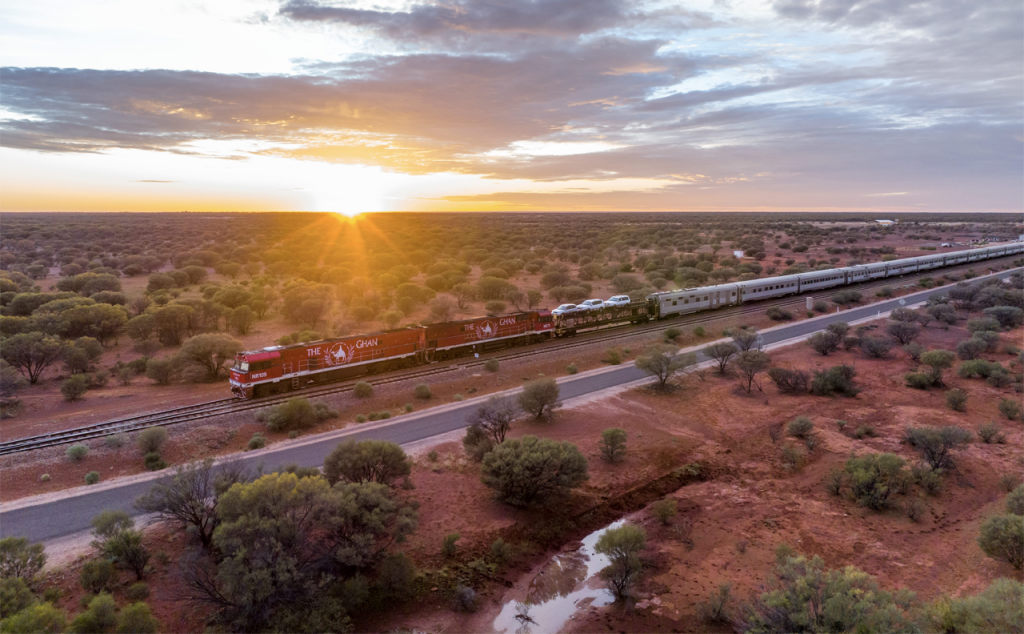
{"points": [[458, 397], [801, 427], [982, 324], [154, 462], [136, 618], [919, 380], [778, 314], [529, 471], [990, 433], [937, 444], [492, 365], [374, 416], [101, 615], [116, 441], [19, 558], [298, 413], [258, 441], [97, 575], [1010, 408], [672, 333], [956, 400], [873, 478], [716, 608], [792, 457], [77, 453], [448, 547], [995, 610], [500, 550], [151, 439], [15, 596], [836, 380], [622, 546], [864, 431], [833, 481], [42, 617], [930, 480], [432, 456], [979, 368], [698, 331], [377, 461], [1015, 501], [612, 356], [613, 444], [1002, 539], [45, 477], [914, 508], [571, 368], [75, 387], [885, 291], [92, 477], [539, 397], [665, 509], [360, 418], [422, 391], [137, 592], [362, 389]]}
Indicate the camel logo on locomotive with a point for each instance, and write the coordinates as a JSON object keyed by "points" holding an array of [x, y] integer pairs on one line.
{"points": [[342, 352]]}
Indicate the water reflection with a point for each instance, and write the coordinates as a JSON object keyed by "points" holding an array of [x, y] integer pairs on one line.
{"points": [[564, 585]]}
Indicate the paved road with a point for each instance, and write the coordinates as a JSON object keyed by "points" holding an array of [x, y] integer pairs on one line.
{"points": [[71, 514]]}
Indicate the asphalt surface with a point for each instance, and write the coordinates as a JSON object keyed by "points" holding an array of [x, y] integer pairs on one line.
{"points": [[71, 514]]}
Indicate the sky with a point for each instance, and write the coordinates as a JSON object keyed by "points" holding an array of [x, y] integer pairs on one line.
{"points": [[460, 105]]}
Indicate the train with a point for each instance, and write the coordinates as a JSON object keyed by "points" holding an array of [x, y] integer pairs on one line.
{"points": [[279, 369]]}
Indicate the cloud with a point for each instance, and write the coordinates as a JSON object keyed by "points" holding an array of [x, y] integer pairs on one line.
{"points": [[153, 181]]}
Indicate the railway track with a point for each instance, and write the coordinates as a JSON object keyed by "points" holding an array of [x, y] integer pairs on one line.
{"points": [[224, 406]]}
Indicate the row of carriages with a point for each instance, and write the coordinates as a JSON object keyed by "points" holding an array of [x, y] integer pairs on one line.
{"points": [[692, 300]]}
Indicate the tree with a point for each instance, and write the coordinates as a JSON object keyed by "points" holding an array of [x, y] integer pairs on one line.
{"points": [[664, 362], [100, 616], [745, 340], [464, 294], [789, 380], [366, 461], [622, 546], [1002, 538], [391, 319], [530, 470], [172, 322], [241, 319], [284, 542], [209, 352], [873, 478], [613, 444], [539, 397], [19, 558], [15, 596], [189, 498], [533, 298], [903, 332], [32, 353], [825, 342], [128, 551], [938, 360], [495, 417], [101, 321], [750, 363], [140, 327], [441, 309], [722, 352], [937, 444]]}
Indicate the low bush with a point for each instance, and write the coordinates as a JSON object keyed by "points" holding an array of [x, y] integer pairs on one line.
{"points": [[137, 592], [77, 453], [422, 391], [298, 413], [612, 357], [448, 547], [613, 444], [1002, 539], [500, 550], [937, 444], [716, 608], [360, 418], [956, 400], [792, 457], [914, 350], [976, 368], [778, 314], [153, 461], [833, 481], [362, 389], [800, 427], [836, 380], [672, 333], [875, 346], [571, 368], [465, 599], [873, 478], [74, 387], [116, 441], [1010, 408], [258, 441], [1015, 500], [990, 433], [864, 431], [789, 381], [919, 380], [698, 331], [151, 439], [665, 509], [97, 575], [492, 365], [914, 508], [92, 477]]}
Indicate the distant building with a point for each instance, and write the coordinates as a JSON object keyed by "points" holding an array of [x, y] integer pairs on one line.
{"points": [[738, 254], [886, 223]]}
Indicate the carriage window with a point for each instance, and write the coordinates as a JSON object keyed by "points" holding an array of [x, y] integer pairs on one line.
{"points": [[705, 298], [685, 301], [675, 303]]}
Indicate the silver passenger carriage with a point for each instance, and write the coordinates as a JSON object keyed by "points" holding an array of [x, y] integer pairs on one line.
{"points": [[822, 279], [864, 272], [692, 300], [754, 290]]}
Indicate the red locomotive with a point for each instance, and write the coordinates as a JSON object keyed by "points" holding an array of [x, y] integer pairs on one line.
{"points": [[277, 369]]}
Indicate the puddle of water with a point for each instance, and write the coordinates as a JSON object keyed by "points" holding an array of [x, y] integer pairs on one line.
{"points": [[566, 583]]}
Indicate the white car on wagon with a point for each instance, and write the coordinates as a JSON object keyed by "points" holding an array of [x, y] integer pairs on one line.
{"points": [[592, 304], [566, 309], [617, 300]]}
